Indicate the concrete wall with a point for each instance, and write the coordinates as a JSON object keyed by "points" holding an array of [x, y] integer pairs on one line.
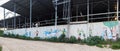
{"points": [[105, 29]]}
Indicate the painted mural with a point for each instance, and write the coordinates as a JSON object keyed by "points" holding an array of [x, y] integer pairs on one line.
{"points": [[81, 34], [91, 27], [27, 33], [108, 30], [51, 32], [54, 32], [36, 33]]}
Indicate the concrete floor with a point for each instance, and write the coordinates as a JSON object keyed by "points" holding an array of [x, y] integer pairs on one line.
{"points": [[10, 44]]}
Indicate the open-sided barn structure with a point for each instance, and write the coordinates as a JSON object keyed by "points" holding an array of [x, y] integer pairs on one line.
{"points": [[42, 13]]}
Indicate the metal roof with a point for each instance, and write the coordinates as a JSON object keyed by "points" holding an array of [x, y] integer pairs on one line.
{"points": [[45, 7], [22, 7]]}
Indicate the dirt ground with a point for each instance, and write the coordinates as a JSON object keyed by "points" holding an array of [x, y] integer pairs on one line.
{"points": [[9, 44]]}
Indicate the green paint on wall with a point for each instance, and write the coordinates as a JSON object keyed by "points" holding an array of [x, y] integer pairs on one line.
{"points": [[111, 24]]}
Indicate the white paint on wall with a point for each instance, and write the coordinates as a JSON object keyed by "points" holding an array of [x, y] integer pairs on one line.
{"points": [[77, 30]]}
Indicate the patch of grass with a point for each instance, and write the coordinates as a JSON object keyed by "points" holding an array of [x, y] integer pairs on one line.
{"points": [[53, 39], [0, 48], [1, 32], [62, 38], [72, 39], [105, 46], [36, 38], [91, 41], [99, 45], [115, 46]]}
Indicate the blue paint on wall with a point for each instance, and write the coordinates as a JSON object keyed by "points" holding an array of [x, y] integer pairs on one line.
{"points": [[48, 32], [28, 34]]}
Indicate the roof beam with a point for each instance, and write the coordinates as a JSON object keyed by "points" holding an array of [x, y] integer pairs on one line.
{"points": [[62, 2]]}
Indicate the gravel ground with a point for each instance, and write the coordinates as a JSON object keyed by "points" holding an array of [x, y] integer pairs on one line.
{"points": [[9, 44]]}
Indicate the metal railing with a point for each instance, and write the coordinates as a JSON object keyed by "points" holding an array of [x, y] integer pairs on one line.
{"points": [[92, 17]]}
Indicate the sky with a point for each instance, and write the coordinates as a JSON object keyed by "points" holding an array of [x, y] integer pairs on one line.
{"points": [[2, 10]]}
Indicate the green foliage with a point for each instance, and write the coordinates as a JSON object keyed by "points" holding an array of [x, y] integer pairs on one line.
{"points": [[66, 40], [93, 40], [118, 39], [54, 39], [28, 38], [12, 35], [105, 45], [5, 35], [115, 46], [99, 45], [17, 36], [72, 39], [22, 37], [82, 41], [1, 32], [36, 38], [0, 48], [62, 38]]}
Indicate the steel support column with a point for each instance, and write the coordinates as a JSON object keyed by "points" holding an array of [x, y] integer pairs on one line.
{"points": [[4, 18], [30, 13], [56, 1], [25, 22], [88, 16], [69, 11], [14, 15], [88, 10], [7, 25], [117, 10], [91, 10], [108, 10], [77, 12], [13, 23], [19, 22]]}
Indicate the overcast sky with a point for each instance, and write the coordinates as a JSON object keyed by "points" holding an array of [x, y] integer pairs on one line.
{"points": [[1, 10]]}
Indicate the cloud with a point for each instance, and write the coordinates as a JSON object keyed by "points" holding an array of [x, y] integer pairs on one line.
{"points": [[3, 1], [2, 10]]}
